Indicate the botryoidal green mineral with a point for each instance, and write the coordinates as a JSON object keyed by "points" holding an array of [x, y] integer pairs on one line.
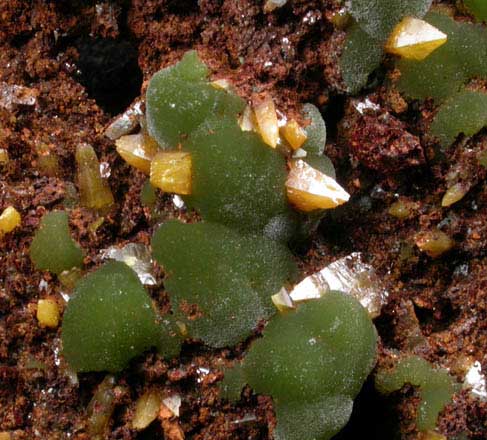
{"points": [[436, 387], [237, 180], [110, 319], [313, 362], [229, 276], [52, 248]]}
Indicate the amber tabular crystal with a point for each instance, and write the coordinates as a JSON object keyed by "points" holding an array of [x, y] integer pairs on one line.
{"points": [[266, 117], [308, 189], [137, 150], [434, 243], [171, 172], [414, 39], [94, 190], [48, 313], [294, 134]]}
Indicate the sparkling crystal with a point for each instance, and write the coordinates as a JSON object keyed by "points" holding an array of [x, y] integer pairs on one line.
{"points": [[171, 172], [294, 134], [475, 380], [247, 120], [137, 150], [266, 117], [358, 279], [414, 39], [138, 257], [308, 189], [312, 287], [94, 190]]}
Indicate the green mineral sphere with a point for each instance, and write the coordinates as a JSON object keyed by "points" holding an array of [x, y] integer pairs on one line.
{"points": [[109, 320]]}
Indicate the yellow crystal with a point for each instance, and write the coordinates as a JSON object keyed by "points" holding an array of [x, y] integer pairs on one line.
{"points": [[401, 209], [146, 409], [453, 194], [434, 243], [414, 39], [309, 189], [171, 172], [137, 150], [266, 117], [3, 156], [247, 120], [282, 300], [221, 84], [9, 220], [94, 190], [5, 435], [48, 313], [294, 134]]}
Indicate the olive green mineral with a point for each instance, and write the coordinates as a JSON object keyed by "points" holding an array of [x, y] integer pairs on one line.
{"points": [[313, 362], [110, 319], [52, 248]]}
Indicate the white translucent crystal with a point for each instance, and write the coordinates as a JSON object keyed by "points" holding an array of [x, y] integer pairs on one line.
{"points": [[126, 123], [312, 287], [282, 300], [137, 256], [352, 276], [475, 380], [366, 104], [349, 275], [178, 202], [299, 154], [173, 403], [11, 95]]}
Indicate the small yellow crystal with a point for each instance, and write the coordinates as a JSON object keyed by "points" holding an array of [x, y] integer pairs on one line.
{"points": [[94, 190], [401, 209], [309, 189], [171, 172], [434, 243], [146, 409], [414, 39], [247, 120], [48, 313], [453, 194], [282, 300], [266, 117], [294, 134], [137, 150], [5, 435], [9, 220], [3, 156], [221, 84]]}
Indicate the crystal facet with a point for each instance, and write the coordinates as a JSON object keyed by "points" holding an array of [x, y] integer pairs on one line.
{"points": [[266, 116], [282, 300], [454, 194], [294, 134], [414, 39], [171, 171], [137, 150], [94, 190], [137, 256], [308, 189]]}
